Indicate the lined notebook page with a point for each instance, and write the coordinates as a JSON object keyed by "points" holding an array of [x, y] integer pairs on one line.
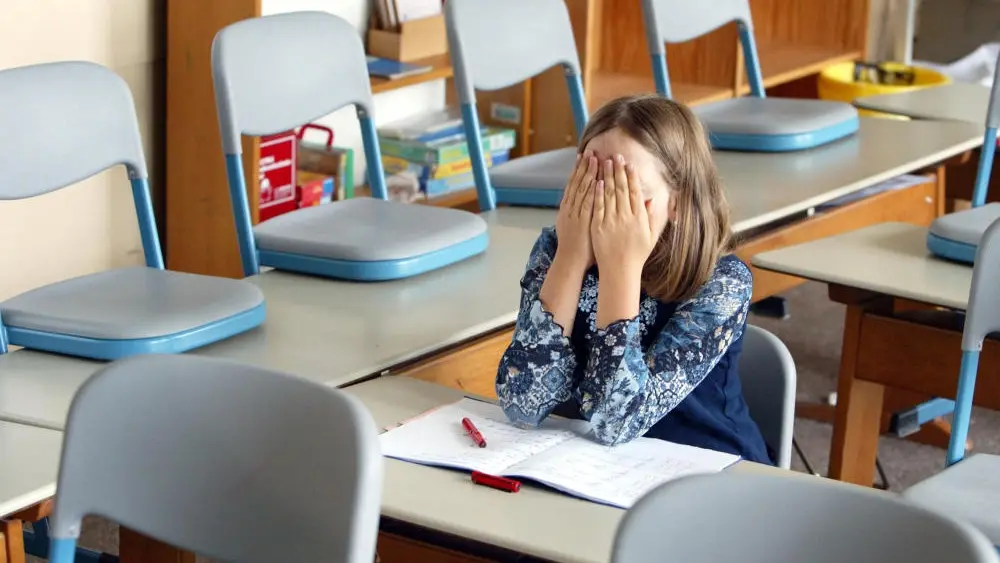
{"points": [[618, 475], [438, 438]]}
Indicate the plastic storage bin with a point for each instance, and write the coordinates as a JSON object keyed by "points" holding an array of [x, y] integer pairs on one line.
{"points": [[836, 82]]}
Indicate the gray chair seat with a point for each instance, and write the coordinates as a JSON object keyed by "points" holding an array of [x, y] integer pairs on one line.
{"points": [[367, 230], [966, 226], [772, 116], [968, 490], [130, 303], [546, 170]]}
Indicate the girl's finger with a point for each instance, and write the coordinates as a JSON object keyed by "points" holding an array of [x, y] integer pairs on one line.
{"points": [[634, 190], [624, 208], [569, 192], [585, 190], [599, 209], [587, 202], [610, 202]]}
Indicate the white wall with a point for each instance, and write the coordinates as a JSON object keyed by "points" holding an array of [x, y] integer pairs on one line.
{"points": [[90, 226], [389, 106]]}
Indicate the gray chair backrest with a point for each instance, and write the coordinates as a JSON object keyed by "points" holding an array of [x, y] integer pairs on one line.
{"points": [[234, 462], [767, 373], [788, 518], [677, 21], [983, 312], [498, 44], [64, 122], [315, 64]]}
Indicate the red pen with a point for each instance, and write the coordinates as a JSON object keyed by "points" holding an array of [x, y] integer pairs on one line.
{"points": [[474, 433], [499, 483]]}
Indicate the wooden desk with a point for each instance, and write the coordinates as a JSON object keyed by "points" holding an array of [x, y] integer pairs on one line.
{"points": [[535, 521], [870, 271], [957, 101], [28, 471], [328, 331], [450, 325]]}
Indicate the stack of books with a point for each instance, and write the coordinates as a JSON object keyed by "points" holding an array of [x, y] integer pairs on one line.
{"points": [[433, 148]]}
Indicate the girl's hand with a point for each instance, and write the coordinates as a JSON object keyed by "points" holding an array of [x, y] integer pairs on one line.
{"points": [[621, 231], [574, 216]]}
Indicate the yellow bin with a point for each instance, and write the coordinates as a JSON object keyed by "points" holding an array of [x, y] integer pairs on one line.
{"points": [[836, 82]]}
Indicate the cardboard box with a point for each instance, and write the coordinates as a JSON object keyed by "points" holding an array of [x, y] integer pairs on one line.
{"points": [[314, 189], [416, 39]]}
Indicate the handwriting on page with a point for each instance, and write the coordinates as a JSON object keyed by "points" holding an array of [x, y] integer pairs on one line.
{"points": [[439, 439], [619, 475]]}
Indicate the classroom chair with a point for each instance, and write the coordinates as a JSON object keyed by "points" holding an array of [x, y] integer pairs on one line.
{"points": [[62, 123], [969, 489], [751, 123], [956, 235], [757, 517], [316, 64], [768, 376], [229, 461], [498, 44]]}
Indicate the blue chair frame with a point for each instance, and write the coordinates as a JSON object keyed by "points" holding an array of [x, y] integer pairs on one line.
{"points": [[706, 18], [109, 99], [982, 318], [245, 109], [961, 251], [529, 60]]}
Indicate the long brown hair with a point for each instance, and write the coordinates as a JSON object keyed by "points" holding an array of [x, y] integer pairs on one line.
{"points": [[699, 233]]}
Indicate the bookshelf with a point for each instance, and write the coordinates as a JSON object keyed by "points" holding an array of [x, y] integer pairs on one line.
{"points": [[795, 38]]}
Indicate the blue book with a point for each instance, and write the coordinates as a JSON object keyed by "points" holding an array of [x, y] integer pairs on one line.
{"points": [[388, 68]]}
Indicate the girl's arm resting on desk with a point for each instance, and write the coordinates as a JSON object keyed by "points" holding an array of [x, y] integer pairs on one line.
{"points": [[625, 392], [536, 370]]}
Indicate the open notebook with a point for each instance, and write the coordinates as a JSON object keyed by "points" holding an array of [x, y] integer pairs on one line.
{"points": [[559, 454]]}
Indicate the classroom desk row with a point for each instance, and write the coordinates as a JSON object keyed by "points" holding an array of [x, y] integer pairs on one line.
{"points": [[342, 333], [957, 101], [885, 344]]}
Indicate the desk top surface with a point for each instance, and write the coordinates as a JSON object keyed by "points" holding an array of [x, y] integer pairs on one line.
{"points": [[957, 101], [769, 187], [535, 521], [890, 258], [29, 465], [327, 331], [339, 332]]}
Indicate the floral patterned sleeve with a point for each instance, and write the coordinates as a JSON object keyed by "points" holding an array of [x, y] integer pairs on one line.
{"points": [[626, 391], [535, 373]]}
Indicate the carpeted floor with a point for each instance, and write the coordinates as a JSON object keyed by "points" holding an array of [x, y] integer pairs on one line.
{"points": [[813, 335]]}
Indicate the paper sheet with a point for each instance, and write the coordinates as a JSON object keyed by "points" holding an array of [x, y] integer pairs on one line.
{"points": [[560, 454], [618, 475], [438, 438], [416, 9]]}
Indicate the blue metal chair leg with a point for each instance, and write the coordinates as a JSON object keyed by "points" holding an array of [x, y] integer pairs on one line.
{"points": [[905, 423], [36, 544]]}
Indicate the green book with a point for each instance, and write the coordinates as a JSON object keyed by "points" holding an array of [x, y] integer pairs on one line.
{"points": [[448, 149]]}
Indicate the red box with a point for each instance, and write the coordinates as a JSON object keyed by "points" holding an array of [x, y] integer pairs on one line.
{"points": [[314, 189], [277, 174]]}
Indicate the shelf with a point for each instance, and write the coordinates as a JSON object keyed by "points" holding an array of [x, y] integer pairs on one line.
{"points": [[460, 199], [440, 68], [781, 63], [606, 86]]}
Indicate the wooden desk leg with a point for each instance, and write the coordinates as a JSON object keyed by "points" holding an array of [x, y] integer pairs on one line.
{"points": [[136, 548], [11, 541], [859, 413]]}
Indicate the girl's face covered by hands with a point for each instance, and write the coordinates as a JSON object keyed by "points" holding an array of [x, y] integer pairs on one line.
{"points": [[647, 169]]}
